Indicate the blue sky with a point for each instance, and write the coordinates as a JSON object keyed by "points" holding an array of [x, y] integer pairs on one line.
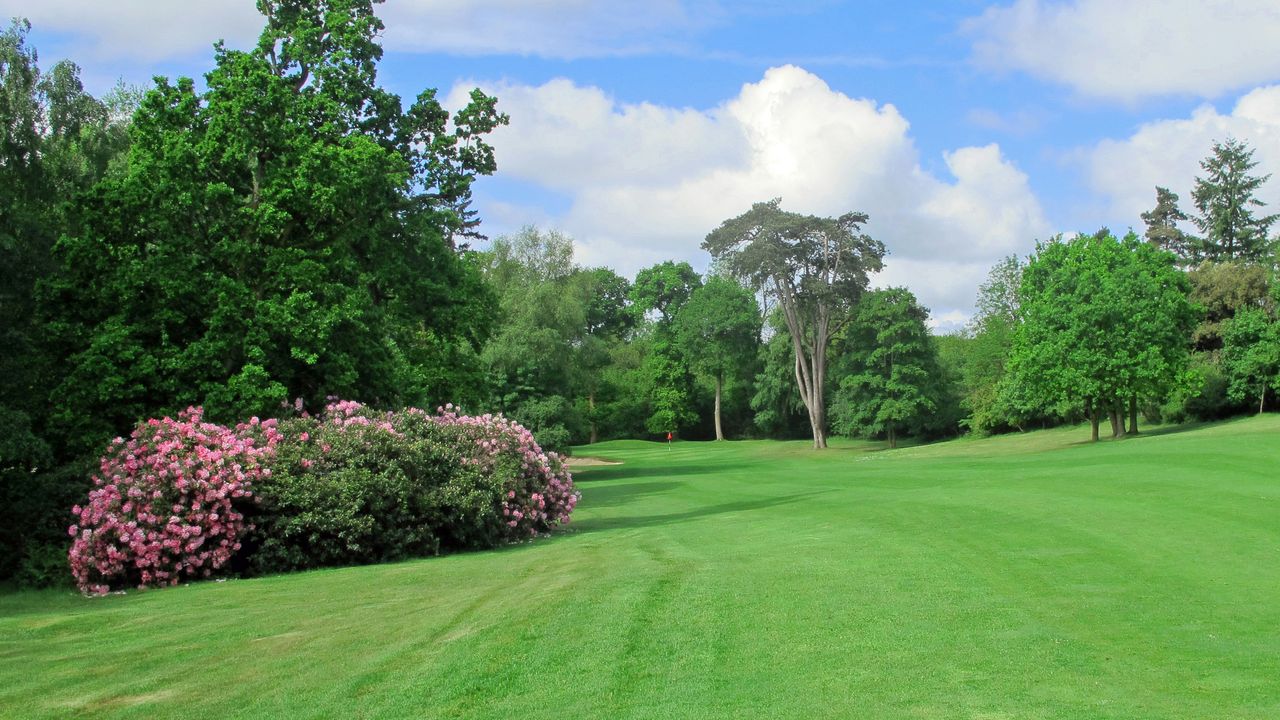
{"points": [[966, 130]]}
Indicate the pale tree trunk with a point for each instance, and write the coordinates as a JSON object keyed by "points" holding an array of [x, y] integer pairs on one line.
{"points": [[810, 367], [1262, 399], [719, 391], [591, 408]]}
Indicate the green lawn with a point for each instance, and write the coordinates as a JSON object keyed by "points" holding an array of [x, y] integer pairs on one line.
{"points": [[1029, 576]]}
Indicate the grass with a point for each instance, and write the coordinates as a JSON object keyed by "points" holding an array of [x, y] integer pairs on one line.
{"points": [[1030, 576]]}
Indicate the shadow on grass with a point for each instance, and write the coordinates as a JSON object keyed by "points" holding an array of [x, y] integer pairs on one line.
{"points": [[614, 495], [642, 521], [1105, 435], [649, 470]]}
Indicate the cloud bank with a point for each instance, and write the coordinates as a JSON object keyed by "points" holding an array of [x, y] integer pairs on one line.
{"points": [[646, 183], [1135, 49]]}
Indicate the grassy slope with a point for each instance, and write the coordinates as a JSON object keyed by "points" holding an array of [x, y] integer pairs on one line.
{"points": [[1020, 577]]}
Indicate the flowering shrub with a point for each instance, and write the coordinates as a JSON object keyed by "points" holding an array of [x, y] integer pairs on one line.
{"points": [[356, 486], [534, 489], [348, 488], [165, 504], [182, 498]]}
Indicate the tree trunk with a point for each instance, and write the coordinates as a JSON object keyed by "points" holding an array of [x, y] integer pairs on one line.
{"points": [[811, 392], [1133, 414], [719, 390], [1092, 410], [591, 409], [1262, 399], [893, 439], [1117, 420]]}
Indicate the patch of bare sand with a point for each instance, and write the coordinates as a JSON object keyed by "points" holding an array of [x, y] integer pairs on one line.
{"points": [[588, 462]]}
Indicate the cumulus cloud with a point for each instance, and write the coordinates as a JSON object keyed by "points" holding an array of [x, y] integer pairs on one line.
{"points": [[141, 30], [647, 183], [1168, 153], [1130, 50]]}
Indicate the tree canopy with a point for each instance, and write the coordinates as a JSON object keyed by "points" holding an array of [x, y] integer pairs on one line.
{"points": [[718, 330], [816, 268], [1104, 322], [286, 233], [1227, 201]]}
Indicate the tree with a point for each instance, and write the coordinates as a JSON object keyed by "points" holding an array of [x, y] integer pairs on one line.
{"points": [[609, 320], [665, 288], [816, 269], [1251, 355], [775, 402], [890, 368], [1221, 289], [1162, 228], [718, 331], [1226, 201], [985, 357], [1104, 322], [530, 357], [285, 233], [56, 141]]}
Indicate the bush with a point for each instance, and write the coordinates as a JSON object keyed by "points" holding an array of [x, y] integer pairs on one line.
{"points": [[164, 505], [183, 498], [535, 489], [349, 489], [355, 486]]}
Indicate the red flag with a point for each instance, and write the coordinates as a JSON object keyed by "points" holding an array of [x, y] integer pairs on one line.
{"points": [[668, 437]]}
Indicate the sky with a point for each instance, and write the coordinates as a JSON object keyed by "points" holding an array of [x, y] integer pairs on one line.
{"points": [[966, 130]]}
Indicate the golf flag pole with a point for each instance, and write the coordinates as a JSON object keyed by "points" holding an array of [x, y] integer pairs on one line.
{"points": [[668, 441]]}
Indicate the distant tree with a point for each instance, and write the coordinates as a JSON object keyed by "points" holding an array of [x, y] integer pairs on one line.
{"points": [[890, 369], [1222, 289], [1226, 199], [605, 297], [775, 402], [1104, 322], [981, 359], [664, 288], [1162, 228], [815, 268], [532, 356], [1251, 355], [718, 331]]}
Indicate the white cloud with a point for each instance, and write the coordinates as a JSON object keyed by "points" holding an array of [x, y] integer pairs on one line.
{"points": [[1168, 153], [1136, 48], [142, 30], [647, 183]]}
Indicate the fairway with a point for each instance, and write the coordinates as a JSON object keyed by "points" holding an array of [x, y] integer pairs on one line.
{"points": [[1031, 576]]}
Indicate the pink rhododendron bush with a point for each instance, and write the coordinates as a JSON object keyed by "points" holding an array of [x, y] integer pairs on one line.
{"points": [[185, 498], [166, 503]]}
